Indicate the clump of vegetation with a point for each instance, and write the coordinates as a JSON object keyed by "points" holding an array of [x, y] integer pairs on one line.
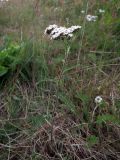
{"points": [[60, 99], [9, 58]]}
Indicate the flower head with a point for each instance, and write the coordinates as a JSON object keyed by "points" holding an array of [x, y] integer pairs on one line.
{"points": [[82, 11], [98, 99], [91, 18], [56, 32], [101, 11]]}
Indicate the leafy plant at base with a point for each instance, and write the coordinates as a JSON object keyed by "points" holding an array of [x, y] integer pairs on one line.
{"points": [[10, 58]]}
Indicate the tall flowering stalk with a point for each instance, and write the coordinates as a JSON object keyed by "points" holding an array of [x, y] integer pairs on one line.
{"points": [[56, 32]]}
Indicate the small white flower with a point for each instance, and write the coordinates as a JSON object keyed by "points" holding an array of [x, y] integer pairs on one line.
{"points": [[91, 18], [101, 11], [82, 11], [56, 9], [75, 27], [98, 99], [70, 35], [56, 35], [58, 30]]}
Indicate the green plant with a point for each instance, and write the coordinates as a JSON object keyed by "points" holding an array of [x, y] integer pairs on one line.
{"points": [[92, 140], [10, 58], [67, 102], [107, 118], [49, 91]]}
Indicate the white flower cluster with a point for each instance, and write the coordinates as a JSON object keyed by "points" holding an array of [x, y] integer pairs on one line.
{"points": [[82, 11], [101, 11], [57, 32], [91, 18], [98, 99]]}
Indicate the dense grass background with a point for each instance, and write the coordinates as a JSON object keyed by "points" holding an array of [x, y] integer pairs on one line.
{"points": [[47, 108]]}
